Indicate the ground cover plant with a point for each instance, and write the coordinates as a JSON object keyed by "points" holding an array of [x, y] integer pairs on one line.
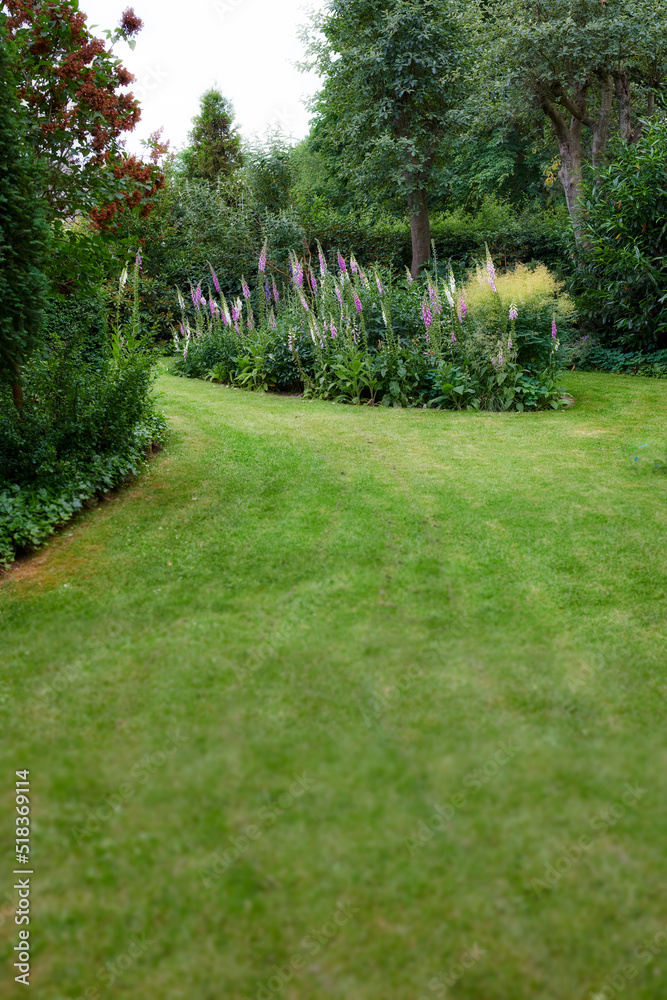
{"points": [[348, 335], [448, 627]]}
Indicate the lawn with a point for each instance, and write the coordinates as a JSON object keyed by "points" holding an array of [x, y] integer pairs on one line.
{"points": [[351, 703]]}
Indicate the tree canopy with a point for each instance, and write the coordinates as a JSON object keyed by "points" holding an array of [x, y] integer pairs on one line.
{"points": [[588, 66], [392, 71], [73, 89]]}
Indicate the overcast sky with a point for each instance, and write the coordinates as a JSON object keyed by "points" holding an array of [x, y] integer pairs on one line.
{"points": [[245, 47]]}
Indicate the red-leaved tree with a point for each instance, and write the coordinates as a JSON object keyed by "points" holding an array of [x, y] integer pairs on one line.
{"points": [[73, 87]]}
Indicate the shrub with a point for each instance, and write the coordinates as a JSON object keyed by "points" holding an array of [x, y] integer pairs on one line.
{"points": [[86, 421], [538, 298], [622, 277], [356, 337]]}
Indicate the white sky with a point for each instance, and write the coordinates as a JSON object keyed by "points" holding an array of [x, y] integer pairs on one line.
{"points": [[245, 47]]}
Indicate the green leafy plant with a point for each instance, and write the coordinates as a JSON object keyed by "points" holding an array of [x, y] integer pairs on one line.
{"points": [[358, 337], [622, 273]]}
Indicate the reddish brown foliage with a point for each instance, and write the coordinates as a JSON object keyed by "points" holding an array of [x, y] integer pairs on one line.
{"points": [[69, 81], [130, 24], [151, 181]]}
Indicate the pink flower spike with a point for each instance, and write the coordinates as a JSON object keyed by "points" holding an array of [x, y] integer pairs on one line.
{"points": [[379, 284], [216, 283], [554, 329], [313, 282], [426, 314], [357, 302], [341, 262], [276, 296], [245, 289], [453, 338], [514, 313], [261, 264], [323, 263], [303, 301]]}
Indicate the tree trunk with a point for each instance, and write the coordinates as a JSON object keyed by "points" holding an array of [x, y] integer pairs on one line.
{"points": [[625, 109], [570, 174], [601, 127], [420, 230]]}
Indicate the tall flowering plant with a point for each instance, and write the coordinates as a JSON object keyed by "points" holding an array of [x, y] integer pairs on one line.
{"points": [[334, 327]]}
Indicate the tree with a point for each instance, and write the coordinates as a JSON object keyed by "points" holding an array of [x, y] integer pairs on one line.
{"points": [[23, 233], [70, 85], [589, 66], [392, 70], [215, 144]]}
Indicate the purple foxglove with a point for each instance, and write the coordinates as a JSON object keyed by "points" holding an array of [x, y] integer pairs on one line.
{"points": [[313, 282], [453, 338], [272, 320], [357, 302], [379, 284], [276, 297], [426, 313], [245, 289], [514, 313], [261, 264], [216, 283], [338, 295], [341, 262], [323, 263], [354, 267], [554, 329], [303, 300], [267, 290]]}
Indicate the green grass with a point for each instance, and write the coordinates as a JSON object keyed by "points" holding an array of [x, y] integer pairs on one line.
{"points": [[375, 598]]}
